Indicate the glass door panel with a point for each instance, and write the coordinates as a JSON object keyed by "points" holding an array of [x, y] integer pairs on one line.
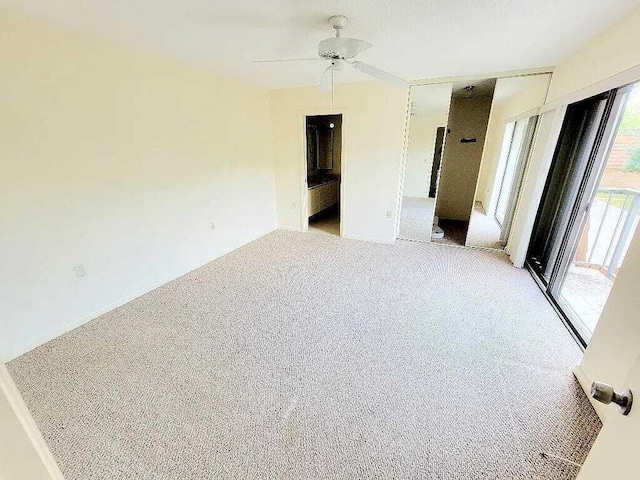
{"points": [[509, 172], [611, 217], [562, 191]]}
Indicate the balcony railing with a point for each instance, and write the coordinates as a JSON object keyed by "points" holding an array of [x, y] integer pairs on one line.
{"points": [[613, 218]]}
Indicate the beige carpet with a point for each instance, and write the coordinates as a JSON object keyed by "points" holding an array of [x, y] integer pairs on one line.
{"points": [[416, 218], [307, 356], [484, 231]]}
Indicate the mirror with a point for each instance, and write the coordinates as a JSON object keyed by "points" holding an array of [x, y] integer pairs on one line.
{"points": [[508, 142], [321, 140], [425, 143], [466, 130]]}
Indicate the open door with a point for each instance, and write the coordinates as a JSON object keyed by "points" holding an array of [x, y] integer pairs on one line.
{"points": [[615, 452]]}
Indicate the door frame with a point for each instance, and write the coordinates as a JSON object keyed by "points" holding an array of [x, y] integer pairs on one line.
{"points": [[593, 176], [501, 169], [544, 284], [582, 201], [302, 182], [403, 163], [518, 175]]}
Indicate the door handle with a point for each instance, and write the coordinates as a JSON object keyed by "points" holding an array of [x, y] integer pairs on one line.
{"points": [[605, 393]]}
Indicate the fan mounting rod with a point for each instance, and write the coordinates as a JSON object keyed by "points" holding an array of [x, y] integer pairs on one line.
{"points": [[338, 22]]}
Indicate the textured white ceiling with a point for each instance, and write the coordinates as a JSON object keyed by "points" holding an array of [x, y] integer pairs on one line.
{"points": [[411, 38]]}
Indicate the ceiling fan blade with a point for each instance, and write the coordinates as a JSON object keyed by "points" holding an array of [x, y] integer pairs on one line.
{"points": [[325, 81], [380, 74], [314, 59]]}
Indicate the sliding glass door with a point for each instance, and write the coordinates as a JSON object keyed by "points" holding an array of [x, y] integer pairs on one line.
{"points": [[611, 206], [571, 162], [590, 208]]}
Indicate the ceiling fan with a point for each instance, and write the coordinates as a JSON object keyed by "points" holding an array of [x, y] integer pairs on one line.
{"points": [[339, 51]]}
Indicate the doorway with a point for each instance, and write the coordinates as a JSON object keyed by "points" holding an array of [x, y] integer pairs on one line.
{"points": [[324, 172], [590, 207]]}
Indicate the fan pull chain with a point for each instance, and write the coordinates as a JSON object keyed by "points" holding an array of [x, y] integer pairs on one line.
{"points": [[332, 89]]}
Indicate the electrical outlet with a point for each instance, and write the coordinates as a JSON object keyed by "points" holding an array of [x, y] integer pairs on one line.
{"points": [[80, 270], [389, 214], [293, 205], [213, 226]]}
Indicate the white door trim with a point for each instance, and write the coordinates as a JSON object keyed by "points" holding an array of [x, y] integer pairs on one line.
{"points": [[35, 443], [304, 208]]}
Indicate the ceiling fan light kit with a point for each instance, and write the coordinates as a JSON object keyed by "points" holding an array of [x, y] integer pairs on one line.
{"points": [[339, 51]]}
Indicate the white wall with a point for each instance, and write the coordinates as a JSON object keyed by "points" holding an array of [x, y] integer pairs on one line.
{"points": [[613, 51], [121, 161], [420, 150], [468, 117], [524, 94], [372, 139]]}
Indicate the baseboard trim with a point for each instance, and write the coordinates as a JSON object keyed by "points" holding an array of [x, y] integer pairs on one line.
{"points": [[291, 229], [350, 237], [42, 339], [585, 383], [369, 239]]}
